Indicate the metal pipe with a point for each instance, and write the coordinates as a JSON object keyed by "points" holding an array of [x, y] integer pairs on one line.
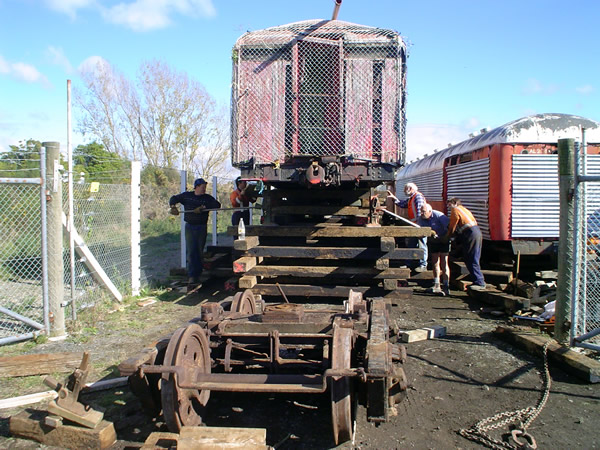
{"points": [[14, 315], [44, 241], [70, 221], [19, 338], [336, 9]]}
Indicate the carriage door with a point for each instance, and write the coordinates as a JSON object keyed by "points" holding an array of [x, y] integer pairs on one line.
{"points": [[317, 109]]}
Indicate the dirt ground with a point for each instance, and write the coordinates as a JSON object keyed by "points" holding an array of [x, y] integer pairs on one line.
{"points": [[455, 381]]}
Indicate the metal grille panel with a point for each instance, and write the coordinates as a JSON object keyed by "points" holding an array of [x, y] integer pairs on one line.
{"points": [[318, 88], [470, 182]]}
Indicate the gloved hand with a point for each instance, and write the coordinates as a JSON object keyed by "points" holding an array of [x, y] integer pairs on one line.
{"points": [[174, 210], [199, 209]]}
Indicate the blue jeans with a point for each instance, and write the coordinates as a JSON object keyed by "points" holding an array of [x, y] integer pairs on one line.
{"points": [[471, 241], [195, 238]]}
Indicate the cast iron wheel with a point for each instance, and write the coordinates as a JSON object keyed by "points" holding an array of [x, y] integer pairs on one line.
{"points": [[188, 347], [243, 302], [341, 389]]}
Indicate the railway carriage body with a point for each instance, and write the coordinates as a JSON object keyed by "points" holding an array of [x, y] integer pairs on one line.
{"points": [[508, 178], [320, 102]]}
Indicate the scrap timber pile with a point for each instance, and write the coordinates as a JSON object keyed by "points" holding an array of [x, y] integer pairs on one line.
{"points": [[324, 257]]}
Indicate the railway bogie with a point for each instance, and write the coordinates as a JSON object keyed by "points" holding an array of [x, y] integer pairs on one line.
{"points": [[288, 348]]}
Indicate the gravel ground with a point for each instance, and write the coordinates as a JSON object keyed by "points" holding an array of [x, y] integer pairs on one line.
{"points": [[455, 381]]}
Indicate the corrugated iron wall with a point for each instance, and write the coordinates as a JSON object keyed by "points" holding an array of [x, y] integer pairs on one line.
{"points": [[470, 182]]}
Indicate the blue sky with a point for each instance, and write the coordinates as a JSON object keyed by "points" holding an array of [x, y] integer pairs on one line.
{"points": [[472, 64]]}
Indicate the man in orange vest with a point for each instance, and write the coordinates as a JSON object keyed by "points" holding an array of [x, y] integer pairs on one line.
{"points": [[464, 225], [413, 204], [239, 199]]}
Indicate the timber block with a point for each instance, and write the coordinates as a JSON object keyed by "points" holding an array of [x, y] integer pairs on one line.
{"points": [[382, 264], [231, 284], [246, 244], [422, 334], [390, 284], [30, 424], [388, 244], [244, 264], [247, 282], [160, 440], [587, 369], [215, 438], [510, 303], [400, 293]]}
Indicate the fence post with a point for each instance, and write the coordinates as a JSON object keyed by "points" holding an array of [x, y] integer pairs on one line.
{"points": [[135, 227], [55, 240], [566, 180]]}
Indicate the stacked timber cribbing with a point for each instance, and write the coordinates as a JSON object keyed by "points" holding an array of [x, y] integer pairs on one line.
{"points": [[325, 260]]}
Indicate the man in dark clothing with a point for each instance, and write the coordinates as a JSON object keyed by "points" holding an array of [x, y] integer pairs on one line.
{"points": [[194, 203]]}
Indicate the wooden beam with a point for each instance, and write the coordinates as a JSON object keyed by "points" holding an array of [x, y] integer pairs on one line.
{"points": [[246, 244], [243, 264], [247, 282], [363, 253], [38, 364], [312, 271], [329, 231], [297, 290]]}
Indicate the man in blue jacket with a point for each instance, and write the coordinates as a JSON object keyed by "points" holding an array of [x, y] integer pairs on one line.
{"points": [[194, 202]]}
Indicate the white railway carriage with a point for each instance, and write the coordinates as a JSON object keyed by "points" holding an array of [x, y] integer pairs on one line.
{"points": [[508, 178]]}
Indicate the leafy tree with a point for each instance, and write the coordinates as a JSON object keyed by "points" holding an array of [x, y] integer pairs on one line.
{"points": [[100, 164], [165, 116], [21, 160]]}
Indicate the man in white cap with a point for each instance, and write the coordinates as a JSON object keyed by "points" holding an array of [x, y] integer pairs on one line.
{"points": [[194, 202]]}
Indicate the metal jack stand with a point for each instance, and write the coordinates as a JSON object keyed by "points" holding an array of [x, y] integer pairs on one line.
{"points": [[66, 405]]}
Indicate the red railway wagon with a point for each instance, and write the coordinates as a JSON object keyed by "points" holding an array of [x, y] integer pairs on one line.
{"points": [[508, 178], [319, 102]]}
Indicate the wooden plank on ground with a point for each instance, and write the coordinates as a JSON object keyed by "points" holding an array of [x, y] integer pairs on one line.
{"points": [[38, 364], [213, 438], [312, 271], [571, 361], [328, 231], [29, 424]]}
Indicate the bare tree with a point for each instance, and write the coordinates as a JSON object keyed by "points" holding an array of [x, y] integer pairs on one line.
{"points": [[165, 115]]}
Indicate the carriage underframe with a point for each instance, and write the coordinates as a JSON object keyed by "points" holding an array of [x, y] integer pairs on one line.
{"points": [[244, 346]]}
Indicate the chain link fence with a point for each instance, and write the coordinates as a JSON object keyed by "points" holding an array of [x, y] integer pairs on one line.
{"points": [[21, 300], [586, 306]]}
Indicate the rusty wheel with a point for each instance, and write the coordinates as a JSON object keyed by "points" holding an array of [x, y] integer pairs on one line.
{"points": [[341, 390], [188, 347], [243, 302]]}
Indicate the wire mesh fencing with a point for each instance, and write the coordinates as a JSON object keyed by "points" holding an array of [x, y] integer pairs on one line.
{"points": [[586, 307], [102, 223], [318, 88], [21, 301]]}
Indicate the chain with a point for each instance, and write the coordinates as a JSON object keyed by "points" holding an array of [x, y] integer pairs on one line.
{"points": [[523, 417]]}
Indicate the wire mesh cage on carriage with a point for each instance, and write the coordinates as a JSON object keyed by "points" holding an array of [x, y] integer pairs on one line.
{"points": [[318, 90]]}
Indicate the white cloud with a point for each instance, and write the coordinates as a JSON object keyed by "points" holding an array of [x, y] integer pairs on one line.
{"points": [[146, 15], [23, 72], [423, 139], [93, 64], [58, 58], [69, 7], [534, 87], [586, 89]]}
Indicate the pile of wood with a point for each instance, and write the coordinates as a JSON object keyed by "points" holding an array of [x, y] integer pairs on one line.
{"points": [[318, 244]]}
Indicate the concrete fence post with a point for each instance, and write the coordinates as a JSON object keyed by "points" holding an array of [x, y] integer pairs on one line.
{"points": [[56, 289], [566, 182]]}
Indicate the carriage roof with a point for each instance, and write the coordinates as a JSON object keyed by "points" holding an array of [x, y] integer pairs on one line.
{"points": [[539, 128]]}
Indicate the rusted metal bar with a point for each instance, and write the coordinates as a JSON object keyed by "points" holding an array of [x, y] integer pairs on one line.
{"points": [[336, 9]]}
